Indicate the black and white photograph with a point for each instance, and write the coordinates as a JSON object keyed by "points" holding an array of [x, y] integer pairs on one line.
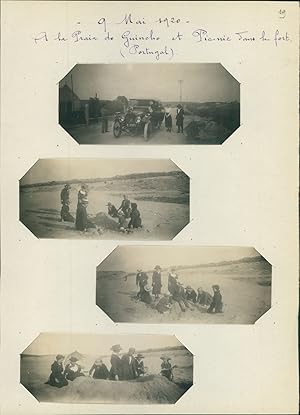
{"points": [[141, 199], [182, 103], [106, 368], [184, 284]]}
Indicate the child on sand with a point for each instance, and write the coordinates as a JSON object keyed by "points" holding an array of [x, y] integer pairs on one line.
{"points": [[217, 304], [57, 377]]}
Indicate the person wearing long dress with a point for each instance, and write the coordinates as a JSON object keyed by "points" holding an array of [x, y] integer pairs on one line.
{"points": [[81, 213], [65, 215], [116, 363], [57, 378], [129, 365], [135, 217], [156, 282]]}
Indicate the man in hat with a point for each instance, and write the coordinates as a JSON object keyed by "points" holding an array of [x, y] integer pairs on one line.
{"points": [[156, 282], [217, 304], [141, 281], [57, 377], [112, 210], [180, 296], [99, 370], [139, 363], [203, 298], [129, 365], [116, 363], [73, 369], [179, 118], [191, 294]]}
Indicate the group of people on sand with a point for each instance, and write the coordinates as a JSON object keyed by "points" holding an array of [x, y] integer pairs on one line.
{"points": [[127, 210], [128, 366], [149, 292], [179, 119], [128, 215]]}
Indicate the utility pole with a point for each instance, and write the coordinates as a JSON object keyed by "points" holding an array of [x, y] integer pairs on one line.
{"points": [[180, 89]]}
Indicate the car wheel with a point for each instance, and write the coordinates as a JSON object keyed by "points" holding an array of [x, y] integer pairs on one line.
{"points": [[147, 131], [117, 129]]}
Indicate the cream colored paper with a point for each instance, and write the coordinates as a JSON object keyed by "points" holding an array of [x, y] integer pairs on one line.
{"points": [[243, 193]]}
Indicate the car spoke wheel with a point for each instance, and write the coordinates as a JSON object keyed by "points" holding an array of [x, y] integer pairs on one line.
{"points": [[117, 129]]}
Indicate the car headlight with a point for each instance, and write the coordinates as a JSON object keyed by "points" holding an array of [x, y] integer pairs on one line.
{"points": [[138, 119], [122, 119]]}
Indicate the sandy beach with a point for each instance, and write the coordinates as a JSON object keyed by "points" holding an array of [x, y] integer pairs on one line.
{"points": [[150, 389], [245, 287], [164, 212]]}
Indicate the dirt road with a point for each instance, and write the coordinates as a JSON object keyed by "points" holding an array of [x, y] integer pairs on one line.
{"points": [[92, 134]]}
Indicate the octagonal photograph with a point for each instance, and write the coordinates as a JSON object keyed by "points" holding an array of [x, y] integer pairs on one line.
{"points": [[115, 369], [128, 199], [184, 284], [149, 104]]}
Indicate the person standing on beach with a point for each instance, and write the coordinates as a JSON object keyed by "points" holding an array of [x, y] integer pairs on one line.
{"points": [[81, 213], [141, 282], [65, 202], [116, 363], [156, 282]]}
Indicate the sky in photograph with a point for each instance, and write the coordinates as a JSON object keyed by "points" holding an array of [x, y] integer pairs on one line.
{"points": [[201, 82], [67, 169], [130, 258], [54, 343]]}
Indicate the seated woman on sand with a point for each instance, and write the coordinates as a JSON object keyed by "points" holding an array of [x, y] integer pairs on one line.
{"points": [[112, 210], [135, 217], [167, 368], [99, 370], [57, 377], [73, 369], [217, 303], [140, 368]]}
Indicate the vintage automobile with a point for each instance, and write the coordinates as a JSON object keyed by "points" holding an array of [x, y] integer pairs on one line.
{"points": [[142, 117]]}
